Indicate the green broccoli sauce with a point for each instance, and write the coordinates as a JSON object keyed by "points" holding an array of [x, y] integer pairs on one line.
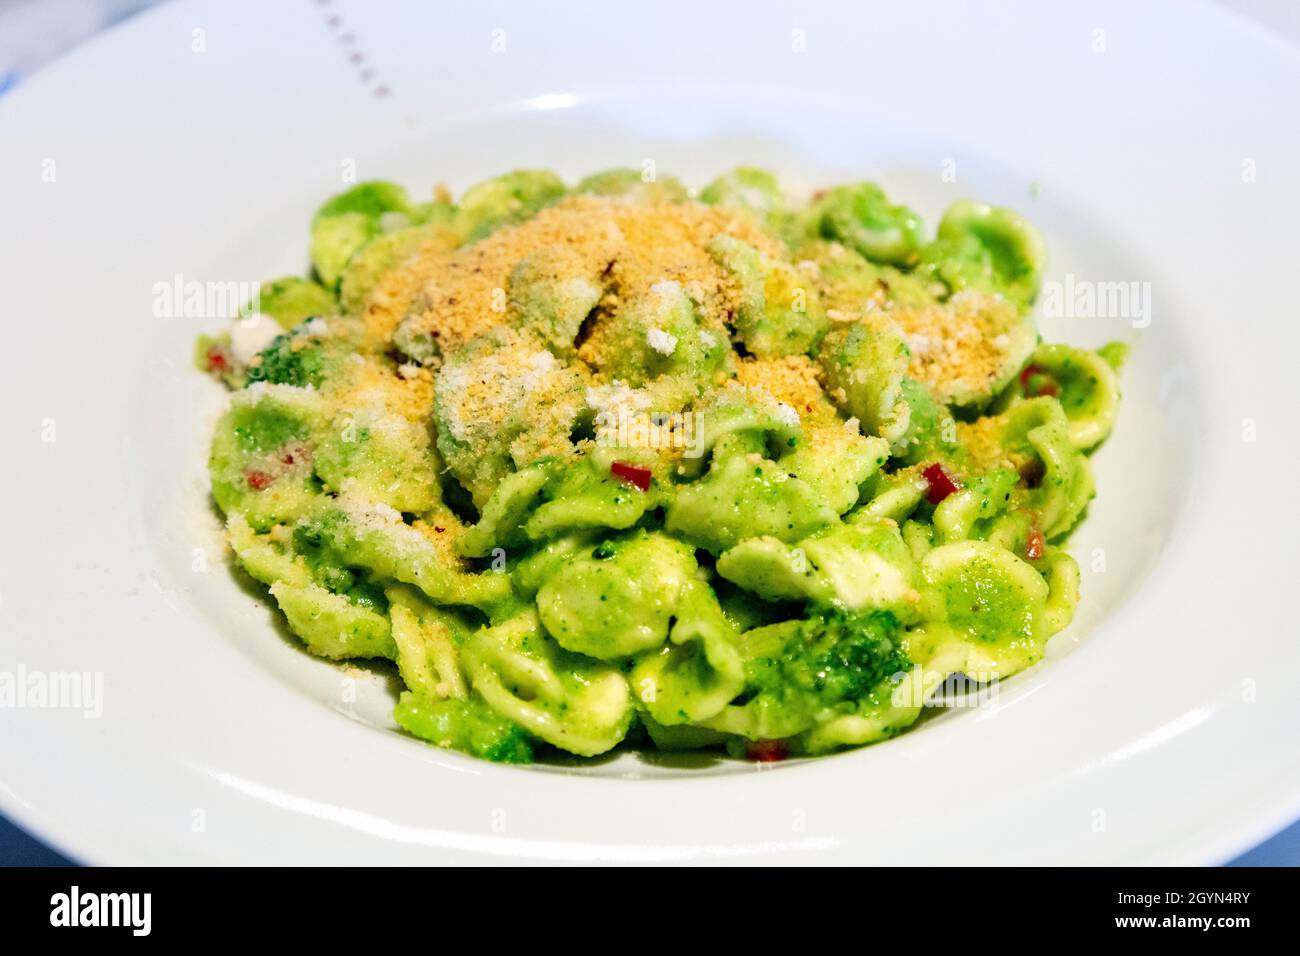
{"points": [[455, 503], [266, 427], [979, 600], [314, 540], [470, 726]]}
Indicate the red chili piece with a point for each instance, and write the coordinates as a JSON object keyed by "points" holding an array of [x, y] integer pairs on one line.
{"points": [[633, 475], [1036, 382], [766, 751], [940, 483]]}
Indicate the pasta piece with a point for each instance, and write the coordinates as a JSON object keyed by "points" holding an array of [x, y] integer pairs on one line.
{"points": [[699, 672], [336, 613], [510, 198], [426, 640], [1086, 386], [632, 184], [850, 286], [755, 191], [919, 538], [860, 567], [380, 456], [888, 711], [1066, 486], [573, 703], [331, 625], [931, 431], [984, 610], [592, 494], [503, 401], [835, 461], [866, 566], [1033, 437], [1062, 574], [619, 598], [468, 724], [656, 332], [385, 252], [745, 495], [264, 558], [373, 536], [780, 311], [346, 222], [800, 673], [863, 218], [986, 249], [794, 319], [892, 496], [735, 409], [501, 523], [967, 349], [864, 363], [554, 290], [260, 462], [970, 511], [290, 300], [532, 571]]}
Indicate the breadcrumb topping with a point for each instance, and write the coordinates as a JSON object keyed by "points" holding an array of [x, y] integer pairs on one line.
{"points": [[792, 379], [961, 346], [637, 246]]}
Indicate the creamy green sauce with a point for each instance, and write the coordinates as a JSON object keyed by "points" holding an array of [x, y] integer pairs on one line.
{"points": [[625, 464]]}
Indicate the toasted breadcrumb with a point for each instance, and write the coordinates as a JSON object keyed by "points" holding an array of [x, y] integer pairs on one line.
{"points": [[960, 346], [982, 439], [637, 246], [791, 379]]}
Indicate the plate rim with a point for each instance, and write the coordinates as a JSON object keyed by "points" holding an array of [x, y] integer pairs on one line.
{"points": [[30, 817]]}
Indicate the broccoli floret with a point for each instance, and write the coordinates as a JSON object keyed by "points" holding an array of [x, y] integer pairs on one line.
{"points": [[831, 659], [468, 725], [845, 656], [289, 360]]}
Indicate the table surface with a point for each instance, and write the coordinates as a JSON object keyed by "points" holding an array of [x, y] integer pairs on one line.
{"points": [[33, 32]]}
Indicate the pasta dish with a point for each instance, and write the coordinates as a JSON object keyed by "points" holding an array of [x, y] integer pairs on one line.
{"points": [[629, 464]]}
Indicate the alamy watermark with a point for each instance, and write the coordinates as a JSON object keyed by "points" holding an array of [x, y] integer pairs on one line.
{"points": [[1077, 298], [133, 911], [23, 689], [629, 428], [960, 691], [181, 298]]}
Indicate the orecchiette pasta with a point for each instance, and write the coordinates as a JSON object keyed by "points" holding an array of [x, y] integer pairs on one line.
{"points": [[616, 465]]}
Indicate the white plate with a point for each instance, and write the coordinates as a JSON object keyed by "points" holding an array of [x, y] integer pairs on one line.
{"points": [[195, 142]]}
